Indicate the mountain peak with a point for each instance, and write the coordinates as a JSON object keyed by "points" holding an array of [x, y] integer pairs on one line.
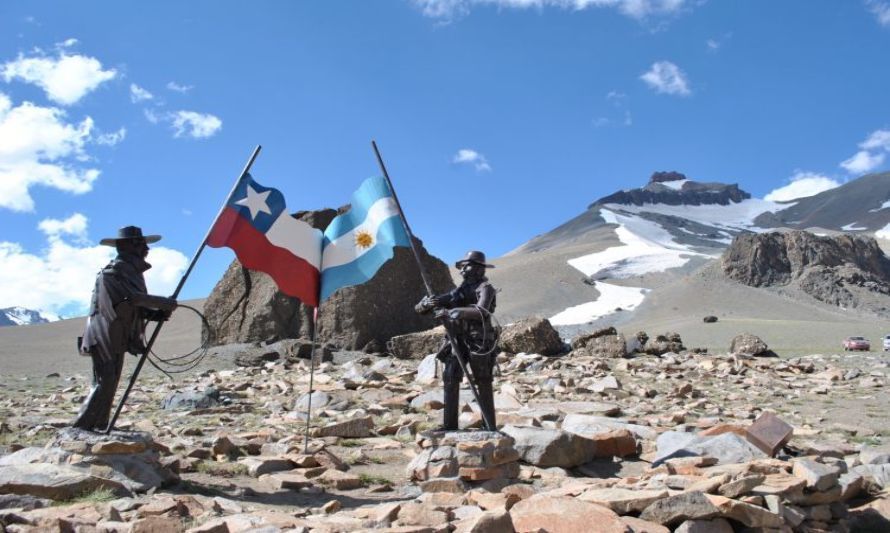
{"points": [[665, 176], [19, 316], [674, 188]]}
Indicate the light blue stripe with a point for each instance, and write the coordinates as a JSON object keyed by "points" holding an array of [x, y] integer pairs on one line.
{"points": [[389, 234], [371, 190]]}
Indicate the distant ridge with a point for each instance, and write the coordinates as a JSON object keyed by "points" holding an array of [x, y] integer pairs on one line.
{"points": [[19, 316], [674, 188]]}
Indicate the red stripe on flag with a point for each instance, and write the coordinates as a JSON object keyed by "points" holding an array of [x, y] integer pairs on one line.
{"points": [[293, 275]]}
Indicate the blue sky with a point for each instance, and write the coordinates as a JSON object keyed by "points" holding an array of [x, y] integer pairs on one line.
{"points": [[498, 119]]}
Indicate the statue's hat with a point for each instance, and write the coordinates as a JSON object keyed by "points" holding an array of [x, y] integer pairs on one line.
{"points": [[473, 256], [128, 233]]}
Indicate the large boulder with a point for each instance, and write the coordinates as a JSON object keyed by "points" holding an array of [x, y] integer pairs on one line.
{"points": [[551, 447], [606, 342], [417, 345], [531, 335], [748, 344], [662, 344], [246, 306]]}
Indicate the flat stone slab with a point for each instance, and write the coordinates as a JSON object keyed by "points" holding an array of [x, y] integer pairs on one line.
{"points": [[727, 448], [56, 482], [590, 425], [623, 501]]}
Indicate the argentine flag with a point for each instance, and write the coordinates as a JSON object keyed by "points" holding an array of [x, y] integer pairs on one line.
{"points": [[358, 242]]}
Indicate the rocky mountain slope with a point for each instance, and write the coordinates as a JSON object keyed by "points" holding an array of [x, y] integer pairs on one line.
{"points": [[608, 260], [848, 271], [19, 316]]}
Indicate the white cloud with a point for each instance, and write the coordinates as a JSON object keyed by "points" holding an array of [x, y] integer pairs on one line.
{"points": [[871, 154], [472, 157], [61, 278], [636, 9], [878, 140], [65, 79], [151, 116], [175, 87], [802, 184], [75, 226], [712, 44], [38, 146], [616, 97], [862, 161], [138, 94], [112, 138], [67, 43], [881, 11], [666, 77], [196, 125]]}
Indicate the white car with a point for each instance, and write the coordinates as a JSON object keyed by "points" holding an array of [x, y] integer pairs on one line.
{"points": [[886, 342]]}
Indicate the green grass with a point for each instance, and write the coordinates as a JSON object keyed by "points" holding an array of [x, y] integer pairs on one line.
{"points": [[214, 468], [23, 439], [100, 495], [368, 479], [870, 440], [351, 443]]}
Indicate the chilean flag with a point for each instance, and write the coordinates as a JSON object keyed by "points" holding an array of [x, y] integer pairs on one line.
{"points": [[256, 225]]}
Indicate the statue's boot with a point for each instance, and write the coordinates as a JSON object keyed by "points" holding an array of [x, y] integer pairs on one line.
{"points": [[486, 403], [452, 403]]}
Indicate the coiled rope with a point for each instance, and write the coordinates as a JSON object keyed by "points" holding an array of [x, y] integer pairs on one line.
{"points": [[179, 364]]}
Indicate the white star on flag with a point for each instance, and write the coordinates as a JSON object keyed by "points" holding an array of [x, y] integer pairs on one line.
{"points": [[255, 201]]}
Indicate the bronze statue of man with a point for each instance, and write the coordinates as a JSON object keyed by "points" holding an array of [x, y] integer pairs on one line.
{"points": [[470, 307], [119, 310]]}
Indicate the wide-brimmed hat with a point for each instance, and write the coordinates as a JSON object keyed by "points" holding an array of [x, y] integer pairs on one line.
{"points": [[474, 256], [128, 233]]}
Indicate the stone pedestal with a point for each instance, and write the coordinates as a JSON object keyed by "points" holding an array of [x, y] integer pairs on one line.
{"points": [[457, 461]]}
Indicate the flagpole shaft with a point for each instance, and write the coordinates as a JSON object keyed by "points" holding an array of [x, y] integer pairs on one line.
{"points": [[175, 295], [253, 156], [423, 273], [311, 378]]}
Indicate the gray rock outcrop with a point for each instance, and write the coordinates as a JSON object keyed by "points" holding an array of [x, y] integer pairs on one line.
{"points": [[246, 306], [689, 193], [843, 270]]}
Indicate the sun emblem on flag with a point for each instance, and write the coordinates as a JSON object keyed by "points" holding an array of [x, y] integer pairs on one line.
{"points": [[363, 239]]}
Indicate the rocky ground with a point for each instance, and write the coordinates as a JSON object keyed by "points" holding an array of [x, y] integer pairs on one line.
{"points": [[637, 443]]}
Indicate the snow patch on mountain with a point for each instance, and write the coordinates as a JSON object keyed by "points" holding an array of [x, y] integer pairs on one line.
{"points": [[611, 298], [645, 247], [20, 316], [885, 205], [853, 227], [675, 184], [735, 216]]}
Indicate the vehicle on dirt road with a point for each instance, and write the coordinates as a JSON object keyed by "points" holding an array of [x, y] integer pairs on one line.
{"points": [[886, 342], [857, 343]]}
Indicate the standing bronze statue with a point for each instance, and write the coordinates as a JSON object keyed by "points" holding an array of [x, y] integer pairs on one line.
{"points": [[119, 310], [467, 311]]}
